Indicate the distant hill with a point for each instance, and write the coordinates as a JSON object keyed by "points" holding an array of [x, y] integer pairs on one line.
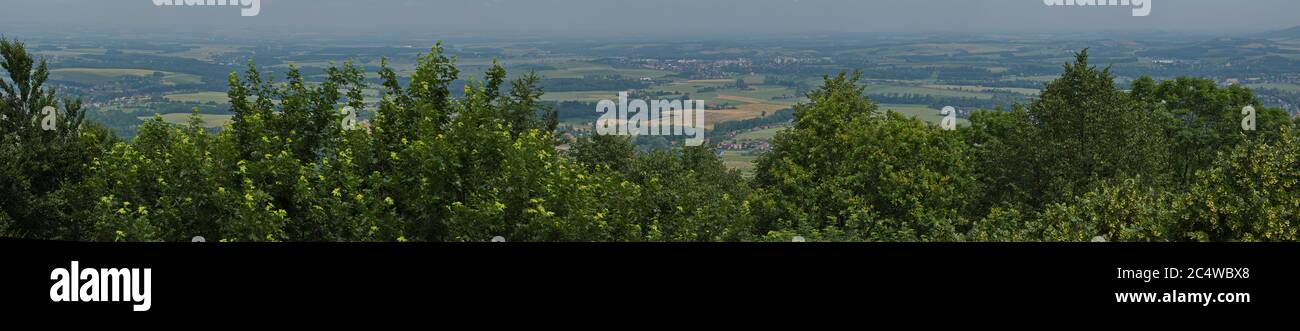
{"points": [[1292, 33]]}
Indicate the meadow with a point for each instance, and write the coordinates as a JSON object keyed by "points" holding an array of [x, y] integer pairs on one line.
{"points": [[98, 76], [199, 97]]}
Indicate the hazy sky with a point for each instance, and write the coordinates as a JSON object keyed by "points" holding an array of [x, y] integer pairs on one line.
{"points": [[666, 17]]}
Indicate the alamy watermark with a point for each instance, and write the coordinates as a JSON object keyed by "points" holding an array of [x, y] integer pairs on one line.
{"points": [[1248, 118], [655, 118], [246, 7], [1140, 7], [949, 121], [77, 284], [49, 119]]}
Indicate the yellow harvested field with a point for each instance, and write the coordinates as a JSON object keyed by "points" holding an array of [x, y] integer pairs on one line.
{"points": [[752, 108]]}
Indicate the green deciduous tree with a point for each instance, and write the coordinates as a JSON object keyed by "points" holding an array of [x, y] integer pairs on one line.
{"points": [[41, 153], [1080, 132], [1201, 119], [846, 167]]}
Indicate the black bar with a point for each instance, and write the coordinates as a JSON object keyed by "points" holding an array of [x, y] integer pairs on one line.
{"points": [[336, 278]]}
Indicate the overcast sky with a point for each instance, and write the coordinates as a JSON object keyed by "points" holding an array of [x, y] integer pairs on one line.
{"points": [[666, 17]]}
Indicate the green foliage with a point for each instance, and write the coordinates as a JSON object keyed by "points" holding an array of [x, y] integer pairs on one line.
{"points": [[1166, 161], [1121, 211], [996, 138], [845, 166], [1081, 132], [1001, 225], [1251, 193], [604, 152], [37, 165], [689, 196], [1201, 120]]}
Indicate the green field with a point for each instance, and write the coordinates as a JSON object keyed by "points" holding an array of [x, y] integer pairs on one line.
{"points": [[921, 112], [71, 52], [765, 134], [1043, 79], [199, 97], [742, 161], [209, 120], [1277, 86], [972, 88], [939, 92], [588, 96], [98, 76], [206, 52], [580, 70], [769, 94]]}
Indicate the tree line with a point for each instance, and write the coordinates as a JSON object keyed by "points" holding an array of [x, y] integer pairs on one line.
{"points": [[1166, 161]]}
